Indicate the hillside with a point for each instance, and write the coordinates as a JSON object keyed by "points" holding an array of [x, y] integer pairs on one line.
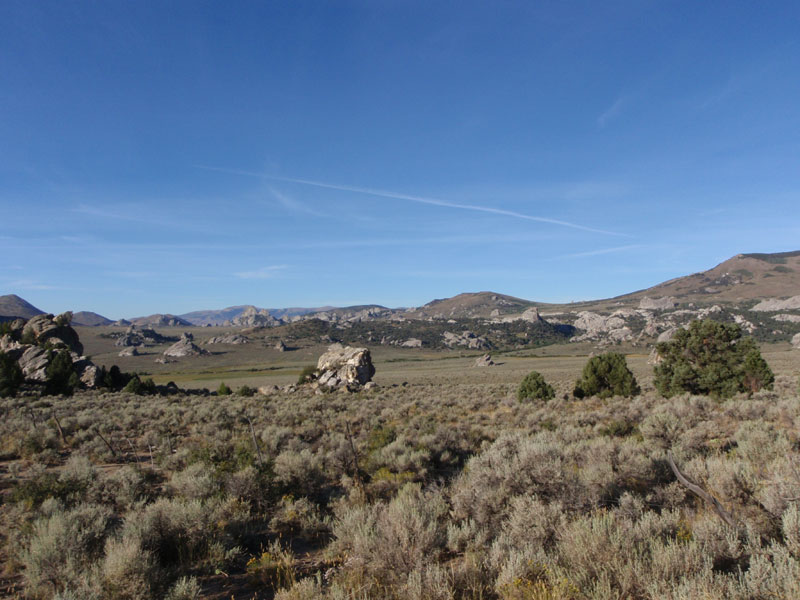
{"points": [[743, 277], [90, 319], [12, 306]]}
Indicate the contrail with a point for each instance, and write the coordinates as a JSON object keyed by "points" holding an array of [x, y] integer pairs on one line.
{"points": [[418, 199]]}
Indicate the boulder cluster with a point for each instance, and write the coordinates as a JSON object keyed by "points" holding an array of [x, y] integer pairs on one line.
{"points": [[34, 344]]}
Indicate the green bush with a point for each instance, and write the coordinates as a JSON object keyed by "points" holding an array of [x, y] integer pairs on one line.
{"points": [[606, 375], [61, 377], [140, 387], [711, 358], [246, 391], [534, 387], [10, 376], [223, 390]]}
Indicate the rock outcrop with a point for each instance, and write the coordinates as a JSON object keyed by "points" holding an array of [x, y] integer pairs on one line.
{"points": [[466, 338], [252, 317], [484, 361], [184, 347], [233, 338], [595, 326], [139, 337], [787, 318], [665, 303], [129, 351], [344, 366], [796, 341], [280, 346], [53, 331], [775, 305], [412, 343]]}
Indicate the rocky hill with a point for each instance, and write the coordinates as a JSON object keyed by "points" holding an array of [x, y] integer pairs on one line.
{"points": [[159, 320], [90, 319], [470, 305], [12, 306]]}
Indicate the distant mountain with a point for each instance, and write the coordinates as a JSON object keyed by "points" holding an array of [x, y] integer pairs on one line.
{"points": [[470, 305], [90, 319], [218, 317], [12, 306], [159, 320], [743, 277]]}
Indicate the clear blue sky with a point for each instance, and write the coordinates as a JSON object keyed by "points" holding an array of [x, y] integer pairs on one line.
{"points": [[171, 156]]}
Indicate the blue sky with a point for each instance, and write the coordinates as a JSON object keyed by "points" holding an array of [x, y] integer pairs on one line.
{"points": [[167, 157]]}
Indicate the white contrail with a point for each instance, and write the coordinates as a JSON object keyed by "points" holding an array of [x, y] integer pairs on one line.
{"points": [[418, 199]]}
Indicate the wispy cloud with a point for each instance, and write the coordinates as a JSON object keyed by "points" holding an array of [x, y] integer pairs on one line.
{"points": [[613, 111], [262, 273], [601, 251], [417, 199], [293, 205]]}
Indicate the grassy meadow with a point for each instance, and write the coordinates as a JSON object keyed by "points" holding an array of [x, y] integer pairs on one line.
{"points": [[438, 483]]}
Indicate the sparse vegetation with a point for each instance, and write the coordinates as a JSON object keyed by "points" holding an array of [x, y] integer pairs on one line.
{"points": [[711, 358]]}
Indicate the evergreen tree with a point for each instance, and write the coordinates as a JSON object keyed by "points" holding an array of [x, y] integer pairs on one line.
{"points": [[534, 387], [606, 375], [61, 377], [711, 358], [11, 377]]}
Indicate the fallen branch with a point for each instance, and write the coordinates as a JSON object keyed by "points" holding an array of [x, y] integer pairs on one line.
{"points": [[697, 490]]}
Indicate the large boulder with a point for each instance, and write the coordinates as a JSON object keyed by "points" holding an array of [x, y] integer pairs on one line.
{"points": [[345, 366], [184, 347], [484, 361], [53, 331], [796, 341]]}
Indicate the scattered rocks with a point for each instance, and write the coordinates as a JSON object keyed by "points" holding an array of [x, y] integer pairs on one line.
{"points": [[233, 338], [184, 347], [658, 303], [344, 366], [484, 361], [266, 390], [775, 305], [787, 318]]}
